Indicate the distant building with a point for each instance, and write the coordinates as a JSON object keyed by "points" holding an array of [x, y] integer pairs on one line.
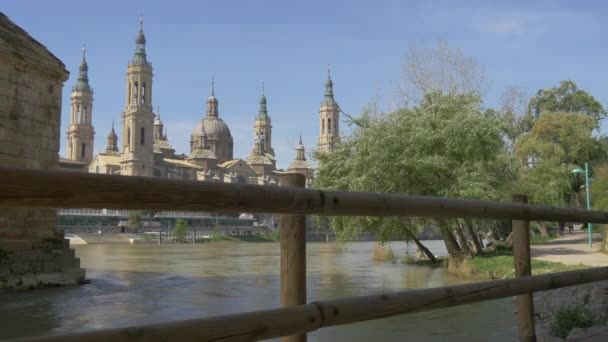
{"points": [[146, 150]]}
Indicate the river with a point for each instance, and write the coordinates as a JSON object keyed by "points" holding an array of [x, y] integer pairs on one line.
{"points": [[147, 283]]}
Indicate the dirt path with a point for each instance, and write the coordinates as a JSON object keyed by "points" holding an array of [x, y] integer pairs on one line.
{"points": [[571, 249]]}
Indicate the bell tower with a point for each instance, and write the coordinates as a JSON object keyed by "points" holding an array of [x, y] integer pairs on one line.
{"points": [[329, 118], [263, 125], [138, 118], [80, 131]]}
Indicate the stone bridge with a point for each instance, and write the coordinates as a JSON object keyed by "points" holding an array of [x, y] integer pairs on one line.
{"points": [[33, 253]]}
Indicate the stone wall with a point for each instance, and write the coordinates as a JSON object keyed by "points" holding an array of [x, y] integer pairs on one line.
{"points": [[32, 252]]}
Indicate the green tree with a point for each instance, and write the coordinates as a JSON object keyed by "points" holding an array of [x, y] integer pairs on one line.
{"points": [[599, 196], [556, 143], [566, 97], [446, 147], [134, 217], [560, 137], [179, 230]]}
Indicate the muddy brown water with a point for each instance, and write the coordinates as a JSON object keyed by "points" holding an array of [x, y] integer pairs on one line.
{"points": [[147, 283]]}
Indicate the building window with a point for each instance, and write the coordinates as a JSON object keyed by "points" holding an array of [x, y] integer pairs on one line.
{"points": [[322, 125], [142, 139], [135, 86], [129, 95], [128, 136], [84, 147], [328, 125], [143, 93]]}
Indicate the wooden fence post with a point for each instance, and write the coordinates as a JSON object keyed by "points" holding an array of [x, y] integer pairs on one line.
{"points": [[523, 268], [293, 256]]}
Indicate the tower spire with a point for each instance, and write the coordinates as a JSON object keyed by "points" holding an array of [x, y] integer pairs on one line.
{"points": [[82, 83], [263, 111], [329, 89], [212, 103], [300, 138], [139, 58]]}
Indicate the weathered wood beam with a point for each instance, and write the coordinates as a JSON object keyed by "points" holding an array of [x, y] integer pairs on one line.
{"points": [[61, 189], [293, 256], [293, 320], [523, 268]]}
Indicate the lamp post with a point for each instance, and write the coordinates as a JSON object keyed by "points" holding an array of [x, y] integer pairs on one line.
{"points": [[586, 172]]}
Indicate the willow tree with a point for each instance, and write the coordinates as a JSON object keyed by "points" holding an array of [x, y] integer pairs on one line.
{"points": [[556, 144], [445, 147]]}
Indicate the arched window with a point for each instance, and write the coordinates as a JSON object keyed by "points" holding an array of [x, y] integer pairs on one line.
{"points": [[143, 93], [84, 115], [135, 86], [78, 114], [83, 151], [328, 125], [128, 136], [129, 95], [142, 139], [322, 125]]}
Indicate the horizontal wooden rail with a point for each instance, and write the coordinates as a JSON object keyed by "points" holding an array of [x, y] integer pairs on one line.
{"points": [[299, 319], [61, 189]]}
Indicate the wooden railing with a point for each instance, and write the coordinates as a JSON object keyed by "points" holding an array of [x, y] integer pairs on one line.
{"points": [[38, 188]]}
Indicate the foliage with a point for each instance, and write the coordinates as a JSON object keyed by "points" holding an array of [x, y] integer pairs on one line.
{"points": [[567, 318], [554, 146], [567, 98], [547, 183], [446, 147], [599, 197], [560, 137], [134, 217], [179, 230]]}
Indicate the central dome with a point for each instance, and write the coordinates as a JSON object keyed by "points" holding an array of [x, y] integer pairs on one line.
{"points": [[215, 128]]}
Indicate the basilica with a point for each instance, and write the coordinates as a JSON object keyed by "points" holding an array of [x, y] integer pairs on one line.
{"points": [[146, 150]]}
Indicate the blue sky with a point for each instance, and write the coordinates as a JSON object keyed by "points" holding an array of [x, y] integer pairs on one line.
{"points": [[287, 45]]}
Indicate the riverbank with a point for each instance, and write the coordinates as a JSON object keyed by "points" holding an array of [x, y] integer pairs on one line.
{"points": [[574, 312]]}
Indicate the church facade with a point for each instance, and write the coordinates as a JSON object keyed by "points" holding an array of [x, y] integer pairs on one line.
{"points": [[146, 150]]}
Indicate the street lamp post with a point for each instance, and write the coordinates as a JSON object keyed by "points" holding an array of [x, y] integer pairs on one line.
{"points": [[586, 172]]}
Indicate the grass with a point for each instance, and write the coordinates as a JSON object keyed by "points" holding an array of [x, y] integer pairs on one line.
{"points": [[567, 318], [498, 264], [539, 239]]}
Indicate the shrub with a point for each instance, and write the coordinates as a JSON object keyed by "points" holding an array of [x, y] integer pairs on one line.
{"points": [[383, 252], [567, 318]]}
